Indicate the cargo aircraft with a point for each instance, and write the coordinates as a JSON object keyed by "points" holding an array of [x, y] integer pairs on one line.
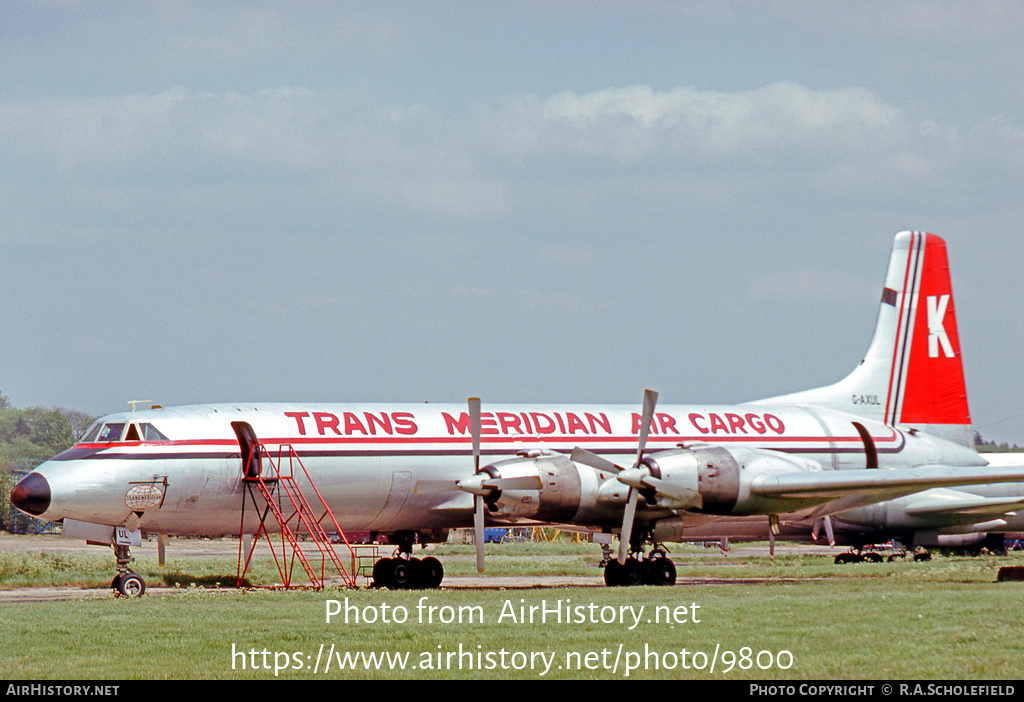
{"points": [[896, 426]]}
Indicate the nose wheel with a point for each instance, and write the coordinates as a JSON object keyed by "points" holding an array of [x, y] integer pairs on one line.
{"points": [[126, 583]]}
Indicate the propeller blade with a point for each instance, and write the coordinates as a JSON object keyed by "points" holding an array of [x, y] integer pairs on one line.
{"points": [[432, 487], [635, 474], [627, 525], [825, 521], [474, 430], [582, 455], [478, 531], [526, 482], [650, 400], [478, 499], [676, 492]]}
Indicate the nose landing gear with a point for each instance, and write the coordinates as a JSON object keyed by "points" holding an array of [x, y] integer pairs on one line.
{"points": [[126, 583]]}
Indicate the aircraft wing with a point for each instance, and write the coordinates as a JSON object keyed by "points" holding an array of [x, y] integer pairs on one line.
{"points": [[853, 489], [838, 483], [961, 504]]}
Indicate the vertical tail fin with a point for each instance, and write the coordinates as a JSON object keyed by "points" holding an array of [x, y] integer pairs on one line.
{"points": [[912, 374]]}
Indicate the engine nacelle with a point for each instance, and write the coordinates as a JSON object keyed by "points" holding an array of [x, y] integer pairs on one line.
{"points": [[557, 499], [696, 478], [720, 478], [710, 471]]}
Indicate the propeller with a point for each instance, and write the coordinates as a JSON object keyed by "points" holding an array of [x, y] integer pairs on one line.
{"points": [[634, 477], [626, 475], [825, 521], [638, 477], [480, 485]]}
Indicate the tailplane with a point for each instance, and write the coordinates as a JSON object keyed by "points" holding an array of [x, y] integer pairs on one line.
{"points": [[912, 375]]}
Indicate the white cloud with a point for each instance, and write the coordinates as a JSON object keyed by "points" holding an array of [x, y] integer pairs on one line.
{"points": [[161, 134], [636, 122], [360, 155]]}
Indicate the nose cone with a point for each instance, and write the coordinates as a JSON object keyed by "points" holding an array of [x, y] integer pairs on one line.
{"points": [[32, 494]]}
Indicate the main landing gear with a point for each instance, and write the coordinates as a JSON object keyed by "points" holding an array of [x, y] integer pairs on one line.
{"points": [[654, 569], [859, 555], [126, 583], [403, 572]]}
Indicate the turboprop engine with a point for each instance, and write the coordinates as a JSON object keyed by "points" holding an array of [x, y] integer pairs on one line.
{"points": [[701, 478], [549, 487], [555, 496]]}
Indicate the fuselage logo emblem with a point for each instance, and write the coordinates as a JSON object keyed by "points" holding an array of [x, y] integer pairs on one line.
{"points": [[143, 497]]}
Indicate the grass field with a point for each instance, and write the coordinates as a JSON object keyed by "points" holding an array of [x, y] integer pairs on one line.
{"points": [[800, 617]]}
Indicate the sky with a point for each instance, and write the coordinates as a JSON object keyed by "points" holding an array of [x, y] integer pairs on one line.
{"points": [[523, 201]]}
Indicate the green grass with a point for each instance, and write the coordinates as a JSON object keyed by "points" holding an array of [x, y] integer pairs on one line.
{"points": [[41, 569], [943, 619]]}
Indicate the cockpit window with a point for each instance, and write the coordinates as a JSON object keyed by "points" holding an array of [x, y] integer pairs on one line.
{"points": [[91, 435], [151, 433], [111, 432]]}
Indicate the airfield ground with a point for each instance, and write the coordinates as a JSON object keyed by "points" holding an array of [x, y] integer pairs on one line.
{"points": [[225, 551], [800, 616]]}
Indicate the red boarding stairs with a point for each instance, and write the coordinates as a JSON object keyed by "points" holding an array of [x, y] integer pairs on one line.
{"points": [[281, 495]]}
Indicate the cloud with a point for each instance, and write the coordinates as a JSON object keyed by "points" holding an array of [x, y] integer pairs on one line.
{"points": [[637, 122], [358, 155], [171, 134]]}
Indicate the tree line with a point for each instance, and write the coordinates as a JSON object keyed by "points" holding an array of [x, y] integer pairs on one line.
{"points": [[985, 446], [33, 434], [37, 432]]}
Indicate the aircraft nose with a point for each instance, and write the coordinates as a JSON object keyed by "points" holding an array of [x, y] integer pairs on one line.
{"points": [[31, 494]]}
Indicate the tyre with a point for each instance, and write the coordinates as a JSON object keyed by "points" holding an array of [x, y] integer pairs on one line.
{"points": [[130, 585], [633, 572], [402, 574], [659, 571], [613, 575], [382, 573], [431, 572]]}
